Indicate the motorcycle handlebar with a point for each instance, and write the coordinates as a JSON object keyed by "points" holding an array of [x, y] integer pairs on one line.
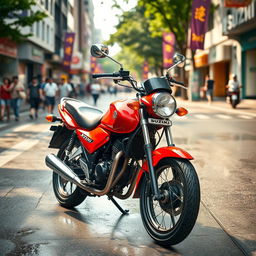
{"points": [[106, 75], [176, 82]]}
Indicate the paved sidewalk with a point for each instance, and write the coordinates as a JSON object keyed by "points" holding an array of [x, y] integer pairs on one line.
{"points": [[246, 106]]}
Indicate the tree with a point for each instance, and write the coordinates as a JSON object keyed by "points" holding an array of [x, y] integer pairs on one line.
{"points": [[137, 44], [12, 18], [169, 15]]}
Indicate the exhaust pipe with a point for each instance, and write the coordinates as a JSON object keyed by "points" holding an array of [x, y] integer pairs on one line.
{"points": [[57, 165], [54, 163]]}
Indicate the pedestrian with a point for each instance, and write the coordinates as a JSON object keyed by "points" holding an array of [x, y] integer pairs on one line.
{"points": [[73, 93], [17, 94], [50, 90], [233, 85], [5, 93], [42, 94], [209, 85], [34, 97], [65, 89], [95, 91]]}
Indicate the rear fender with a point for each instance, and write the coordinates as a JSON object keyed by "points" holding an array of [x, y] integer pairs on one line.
{"points": [[157, 156]]}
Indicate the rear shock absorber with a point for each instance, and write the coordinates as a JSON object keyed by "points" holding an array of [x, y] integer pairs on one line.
{"points": [[70, 145]]}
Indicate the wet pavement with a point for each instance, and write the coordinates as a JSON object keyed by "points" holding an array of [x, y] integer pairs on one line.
{"points": [[32, 223]]}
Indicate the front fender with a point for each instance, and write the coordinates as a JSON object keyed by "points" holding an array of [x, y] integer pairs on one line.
{"points": [[157, 156]]}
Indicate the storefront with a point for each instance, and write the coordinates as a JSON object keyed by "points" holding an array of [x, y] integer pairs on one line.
{"points": [[197, 79], [8, 58], [248, 43], [240, 24], [219, 61], [31, 59]]}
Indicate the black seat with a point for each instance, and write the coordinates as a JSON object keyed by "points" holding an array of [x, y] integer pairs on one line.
{"points": [[86, 116]]}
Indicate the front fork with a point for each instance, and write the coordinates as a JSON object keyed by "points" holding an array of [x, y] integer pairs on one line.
{"points": [[148, 151]]}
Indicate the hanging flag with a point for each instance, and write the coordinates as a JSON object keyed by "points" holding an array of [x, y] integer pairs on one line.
{"points": [[68, 49], [199, 23], [145, 70], [168, 49]]}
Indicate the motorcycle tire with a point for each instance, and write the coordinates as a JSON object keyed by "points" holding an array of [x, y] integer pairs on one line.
{"points": [[180, 205], [75, 196], [234, 103]]}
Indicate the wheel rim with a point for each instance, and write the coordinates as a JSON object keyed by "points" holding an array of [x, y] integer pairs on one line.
{"points": [[164, 215], [65, 188]]}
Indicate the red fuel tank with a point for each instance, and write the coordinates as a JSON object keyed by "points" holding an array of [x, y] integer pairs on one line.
{"points": [[94, 139], [121, 117]]}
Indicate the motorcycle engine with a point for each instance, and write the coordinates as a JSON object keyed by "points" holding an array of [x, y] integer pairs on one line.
{"points": [[101, 173]]}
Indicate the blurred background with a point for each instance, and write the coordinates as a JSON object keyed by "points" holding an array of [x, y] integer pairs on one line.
{"points": [[52, 38]]}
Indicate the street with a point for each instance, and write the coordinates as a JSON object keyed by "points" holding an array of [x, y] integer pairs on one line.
{"points": [[223, 146]]}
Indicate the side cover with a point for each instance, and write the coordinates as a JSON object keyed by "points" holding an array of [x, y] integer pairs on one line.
{"points": [[157, 155]]}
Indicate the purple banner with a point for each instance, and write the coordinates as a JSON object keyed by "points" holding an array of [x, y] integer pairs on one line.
{"points": [[199, 23], [168, 49], [68, 49]]}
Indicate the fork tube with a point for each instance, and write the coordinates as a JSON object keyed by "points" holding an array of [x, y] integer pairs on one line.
{"points": [[148, 152], [168, 134]]}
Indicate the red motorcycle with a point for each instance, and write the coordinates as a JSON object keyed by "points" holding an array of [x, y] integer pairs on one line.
{"points": [[117, 154]]}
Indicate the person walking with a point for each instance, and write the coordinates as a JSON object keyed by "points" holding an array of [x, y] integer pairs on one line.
{"points": [[34, 98], [17, 95], [95, 91], [209, 85], [5, 92], [50, 90], [65, 89], [73, 93]]}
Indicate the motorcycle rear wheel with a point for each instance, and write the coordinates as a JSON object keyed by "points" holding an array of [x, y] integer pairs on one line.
{"points": [[170, 220], [67, 193]]}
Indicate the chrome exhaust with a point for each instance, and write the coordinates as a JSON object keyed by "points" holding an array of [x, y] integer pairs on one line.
{"points": [[57, 165], [54, 163]]}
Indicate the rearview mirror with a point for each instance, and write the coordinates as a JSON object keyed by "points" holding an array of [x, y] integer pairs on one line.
{"points": [[99, 50], [179, 58]]}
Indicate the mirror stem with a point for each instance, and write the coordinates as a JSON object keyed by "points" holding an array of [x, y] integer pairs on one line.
{"points": [[121, 66], [173, 66]]}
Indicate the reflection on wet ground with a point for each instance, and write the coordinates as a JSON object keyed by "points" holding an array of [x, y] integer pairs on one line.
{"points": [[97, 228]]}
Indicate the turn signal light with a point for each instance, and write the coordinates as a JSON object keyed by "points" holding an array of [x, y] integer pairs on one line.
{"points": [[134, 105], [52, 118], [181, 111], [49, 118]]}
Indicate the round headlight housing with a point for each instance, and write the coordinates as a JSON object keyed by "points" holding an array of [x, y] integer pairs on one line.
{"points": [[164, 104]]}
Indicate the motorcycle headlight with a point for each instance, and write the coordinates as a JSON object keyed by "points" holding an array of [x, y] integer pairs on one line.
{"points": [[164, 105]]}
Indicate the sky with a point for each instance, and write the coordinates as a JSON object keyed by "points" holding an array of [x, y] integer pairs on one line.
{"points": [[105, 17]]}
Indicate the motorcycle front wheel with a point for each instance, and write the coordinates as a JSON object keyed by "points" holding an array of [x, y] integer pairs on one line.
{"points": [[67, 193], [170, 220]]}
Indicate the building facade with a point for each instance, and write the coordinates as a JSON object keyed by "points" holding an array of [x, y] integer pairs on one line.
{"points": [[229, 48]]}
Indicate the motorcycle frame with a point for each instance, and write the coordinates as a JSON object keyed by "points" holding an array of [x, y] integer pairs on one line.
{"points": [[152, 156]]}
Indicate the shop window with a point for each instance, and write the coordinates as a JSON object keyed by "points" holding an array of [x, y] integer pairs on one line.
{"points": [[47, 34], [46, 5], [38, 29], [43, 31]]}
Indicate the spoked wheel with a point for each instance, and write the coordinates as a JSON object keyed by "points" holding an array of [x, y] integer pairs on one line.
{"points": [[66, 192], [170, 220]]}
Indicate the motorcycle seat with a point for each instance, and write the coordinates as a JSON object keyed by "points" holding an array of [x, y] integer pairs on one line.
{"points": [[86, 116]]}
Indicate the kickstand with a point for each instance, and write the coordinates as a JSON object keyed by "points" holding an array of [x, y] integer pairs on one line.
{"points": [[117, 205]]}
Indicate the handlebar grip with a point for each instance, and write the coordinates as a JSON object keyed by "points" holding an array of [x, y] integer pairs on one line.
{"points": [[176, 82], [105, 75]]}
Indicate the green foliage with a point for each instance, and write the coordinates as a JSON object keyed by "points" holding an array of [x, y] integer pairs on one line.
{"points": [[137, 44], [171, 16], [12, 20]]}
